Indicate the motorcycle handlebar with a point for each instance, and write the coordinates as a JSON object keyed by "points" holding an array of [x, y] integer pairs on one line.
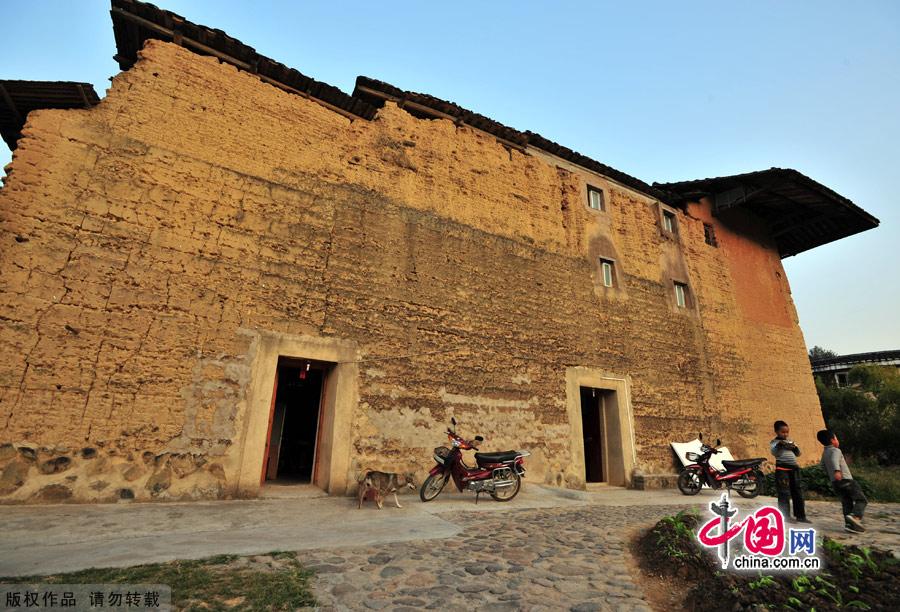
{"points": [[474, 443]]}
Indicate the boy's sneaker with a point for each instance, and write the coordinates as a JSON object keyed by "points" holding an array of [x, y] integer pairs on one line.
{"points": [[803, 520], [851, 523]]}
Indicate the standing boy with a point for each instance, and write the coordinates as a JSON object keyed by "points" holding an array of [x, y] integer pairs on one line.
{"points": [[787, 474], [853, 500]]}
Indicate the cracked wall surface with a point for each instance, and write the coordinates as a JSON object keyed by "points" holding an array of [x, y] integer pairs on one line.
{"points": [[145, 241]]}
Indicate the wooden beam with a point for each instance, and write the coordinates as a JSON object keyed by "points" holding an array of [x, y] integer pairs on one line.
{"points": [[251, 68], [306, 95], [188, 42], [404, 103], [84, 97], [789, 223], [123, 61], [804, 223], [427, 110], [10, 104], [735, 197]]}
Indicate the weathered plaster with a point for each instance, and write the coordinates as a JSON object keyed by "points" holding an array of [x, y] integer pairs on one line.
{"points": [[149, 245]]}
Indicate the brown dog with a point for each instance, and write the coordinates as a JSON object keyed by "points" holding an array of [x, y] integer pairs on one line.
{"points": [[382, 483]]}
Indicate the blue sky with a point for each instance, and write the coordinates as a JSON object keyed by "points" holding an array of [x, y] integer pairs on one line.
{"points": [[664, 91]]}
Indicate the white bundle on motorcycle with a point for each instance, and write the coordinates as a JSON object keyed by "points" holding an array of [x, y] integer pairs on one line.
{"points": [[683, 448]]}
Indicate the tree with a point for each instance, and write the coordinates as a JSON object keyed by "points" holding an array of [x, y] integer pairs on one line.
{"points": [[865, 416], [875, 379], [817, 352]]}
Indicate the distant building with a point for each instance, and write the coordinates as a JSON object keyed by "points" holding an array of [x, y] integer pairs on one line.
{"points": [[834, 370]]}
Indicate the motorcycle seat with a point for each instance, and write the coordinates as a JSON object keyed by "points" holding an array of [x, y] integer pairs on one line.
{"points": [[496, 457], [742, 463]]}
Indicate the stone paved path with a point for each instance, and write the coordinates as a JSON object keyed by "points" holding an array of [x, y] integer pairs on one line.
{"points": [[547, 559], [549, 549], [563, 558]]}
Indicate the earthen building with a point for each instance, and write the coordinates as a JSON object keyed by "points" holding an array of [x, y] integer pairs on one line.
{"points": [[225, 273]]}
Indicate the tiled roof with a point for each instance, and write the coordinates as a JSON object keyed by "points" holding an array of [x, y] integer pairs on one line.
{"points": [[18, 98], [377, 92], [134, 22], [828, 363], [800, 213]]}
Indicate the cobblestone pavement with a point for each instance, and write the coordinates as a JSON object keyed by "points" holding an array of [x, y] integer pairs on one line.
{"points": [[545, 559], [548, 549], [564, 558], [882, 523]]}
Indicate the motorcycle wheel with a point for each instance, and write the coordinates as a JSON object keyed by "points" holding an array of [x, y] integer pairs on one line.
{"points": [[507, 493], [432, 487], [689, 482], [758, 483]]}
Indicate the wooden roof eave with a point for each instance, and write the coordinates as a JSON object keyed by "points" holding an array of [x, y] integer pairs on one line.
{"points": [[174, 28]]}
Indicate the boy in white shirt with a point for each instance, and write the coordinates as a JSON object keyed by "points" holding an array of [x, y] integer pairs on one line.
{"points": [[853, 500]]}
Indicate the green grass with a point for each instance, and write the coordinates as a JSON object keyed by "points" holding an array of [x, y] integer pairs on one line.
{"points": [[884, 480], [215, 583]]}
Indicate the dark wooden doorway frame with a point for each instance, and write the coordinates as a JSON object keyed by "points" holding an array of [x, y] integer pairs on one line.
{"points": [[620, 456], [593, 425], [327, 368]]}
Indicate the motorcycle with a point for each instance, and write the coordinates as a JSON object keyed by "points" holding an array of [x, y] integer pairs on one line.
{"points": [[743, 475], [498, 474]]}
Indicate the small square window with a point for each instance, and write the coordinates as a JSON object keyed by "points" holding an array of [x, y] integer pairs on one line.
{"points": [[669, 221], [607, 270], [595, 198], [709, 234], [681, 294]]}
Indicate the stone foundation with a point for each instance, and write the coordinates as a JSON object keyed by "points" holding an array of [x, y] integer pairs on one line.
{"points": [[32, 474], [647, 482]]}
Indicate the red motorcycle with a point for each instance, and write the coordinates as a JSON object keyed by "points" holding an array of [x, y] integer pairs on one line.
{"points": [[498, 474], [743, 475]]}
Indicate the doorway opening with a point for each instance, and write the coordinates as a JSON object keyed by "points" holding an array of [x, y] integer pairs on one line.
{"points": [[294, 421], [592, 426], [598, 407], [602, 430]]}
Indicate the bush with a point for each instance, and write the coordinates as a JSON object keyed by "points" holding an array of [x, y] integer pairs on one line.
{"points": [[854, 578], [817, 481], [865, 417], [883, 479]]}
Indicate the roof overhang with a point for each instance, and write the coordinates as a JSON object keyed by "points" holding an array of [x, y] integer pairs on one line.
{"points": [[845, 362], [18, 98], [134, 22], [799, 212]]}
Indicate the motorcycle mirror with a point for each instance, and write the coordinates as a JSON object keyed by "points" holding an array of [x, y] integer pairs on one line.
{"points": [[453, 421], [479, 439], [700, 436], [718, 442]]}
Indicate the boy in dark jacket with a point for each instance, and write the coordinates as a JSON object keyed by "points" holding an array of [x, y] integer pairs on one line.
{"points": [[787, 474], [853, 500]]}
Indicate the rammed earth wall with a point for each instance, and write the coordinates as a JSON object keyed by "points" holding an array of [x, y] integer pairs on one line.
{"points": [[149, 243]]}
